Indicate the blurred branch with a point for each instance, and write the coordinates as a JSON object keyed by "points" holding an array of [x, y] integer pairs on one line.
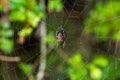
{"points": [[43, 54], [9, 59], [43, 47]]}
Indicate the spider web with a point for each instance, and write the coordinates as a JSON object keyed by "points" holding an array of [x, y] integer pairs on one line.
{"points": [[73, 39], [79, 40]]}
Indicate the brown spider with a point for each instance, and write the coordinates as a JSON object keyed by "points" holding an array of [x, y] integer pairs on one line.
{"points": [[61, 37]]}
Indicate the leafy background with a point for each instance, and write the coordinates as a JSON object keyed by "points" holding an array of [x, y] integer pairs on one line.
{"points": [[89, 61]]}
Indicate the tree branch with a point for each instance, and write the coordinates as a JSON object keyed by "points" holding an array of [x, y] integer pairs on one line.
{"points": [[43, 47], [9, 59]]}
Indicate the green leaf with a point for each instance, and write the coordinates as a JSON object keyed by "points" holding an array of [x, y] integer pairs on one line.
{"points": [[50, 38], [26, 68], [104, 22], [59, 6], [6, 25], [116, 36], [1, 7], [15, 4], [26, 31], [95, 72], [51, 5], [55, 5], [6, 45], [7, 33], [33, 18], [18, 15], [100, 61], [75, 60], [77, 69]]}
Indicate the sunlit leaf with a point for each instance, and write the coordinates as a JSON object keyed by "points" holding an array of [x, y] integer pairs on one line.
{"points": [[26, 31], [95, 72], [1, 7], [26, 68], [50, 38], [77, 69], [100, 61], [116, 36], [6, 45], [33, 18], [18, 16], [55, 5], [76, 60]]}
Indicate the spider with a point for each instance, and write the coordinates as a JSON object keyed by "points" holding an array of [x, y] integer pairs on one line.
{"points": [[61, 37]]}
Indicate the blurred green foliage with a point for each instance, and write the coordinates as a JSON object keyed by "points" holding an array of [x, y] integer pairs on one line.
{"points": [[103, 21], [55, 5], [26, 68], [31, 13], [50, 38], [26, 31], [56, 66], [1, 7], [6, 43], [99, 68], [96, 67], [77, 69], [27, 12], [22, 10]]}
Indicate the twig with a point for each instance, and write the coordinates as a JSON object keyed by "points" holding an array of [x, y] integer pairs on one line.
{"points": [[9, 59], [43, 46], [43, 54]]}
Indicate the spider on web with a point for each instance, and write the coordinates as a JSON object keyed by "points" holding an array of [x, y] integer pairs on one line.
{"points": [[61, 37]]}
